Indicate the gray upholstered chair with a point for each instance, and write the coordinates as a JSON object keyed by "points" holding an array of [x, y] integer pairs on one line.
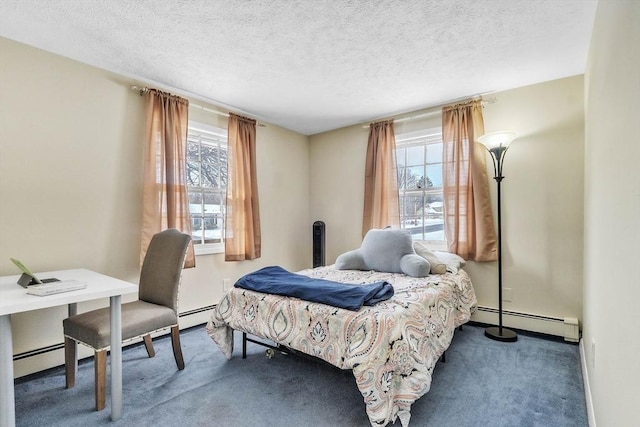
{"points": [[156, 309]]}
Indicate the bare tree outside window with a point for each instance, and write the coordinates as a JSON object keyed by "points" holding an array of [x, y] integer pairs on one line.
{"points": [[419, 164], [207, 182]]}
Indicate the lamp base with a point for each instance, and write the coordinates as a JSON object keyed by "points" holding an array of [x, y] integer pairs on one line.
{"points": [[507, 335]]}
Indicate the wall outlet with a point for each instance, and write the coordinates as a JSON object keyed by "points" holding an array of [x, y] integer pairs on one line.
{"points": [[507, 294], [226, 284]]}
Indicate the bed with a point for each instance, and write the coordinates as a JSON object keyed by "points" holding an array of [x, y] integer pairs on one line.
{"points": [[391, 347]]}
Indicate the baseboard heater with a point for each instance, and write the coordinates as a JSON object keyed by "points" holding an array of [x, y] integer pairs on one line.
{"points": [[60, 346], [566, 327], [197, 310]]}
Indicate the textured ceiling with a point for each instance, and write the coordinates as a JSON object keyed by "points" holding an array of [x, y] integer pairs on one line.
{"points": [[315, 65]]}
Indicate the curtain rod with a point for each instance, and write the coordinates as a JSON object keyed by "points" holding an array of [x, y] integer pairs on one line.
{"points": [[437, 110], [145, 89]]}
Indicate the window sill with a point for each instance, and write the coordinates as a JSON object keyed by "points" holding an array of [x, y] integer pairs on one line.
{"points": [[433, 245], [209, 249]]}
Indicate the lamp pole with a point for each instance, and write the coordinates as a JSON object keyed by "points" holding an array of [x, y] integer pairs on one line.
{"points": [[497, 143]]}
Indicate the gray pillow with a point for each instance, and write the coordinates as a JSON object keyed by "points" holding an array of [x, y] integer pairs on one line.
{"points": [[385, 250], [351, 260], [414, 265]]}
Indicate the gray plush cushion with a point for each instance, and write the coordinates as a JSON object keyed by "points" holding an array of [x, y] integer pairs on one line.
{"points": [[351, 260], [385, 250], [414, 265]]}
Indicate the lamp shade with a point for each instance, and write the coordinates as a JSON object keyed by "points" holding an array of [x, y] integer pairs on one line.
{"points": [[497, 139]]}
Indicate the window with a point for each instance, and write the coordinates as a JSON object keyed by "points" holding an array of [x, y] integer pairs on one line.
{"points": [[419, 161], [207, 185]]}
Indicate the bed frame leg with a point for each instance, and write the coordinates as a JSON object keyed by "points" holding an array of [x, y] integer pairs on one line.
{"points": [[244, 345], [443, 358]]}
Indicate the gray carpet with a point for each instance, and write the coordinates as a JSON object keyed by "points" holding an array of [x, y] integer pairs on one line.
{"points": [[533, 382]]}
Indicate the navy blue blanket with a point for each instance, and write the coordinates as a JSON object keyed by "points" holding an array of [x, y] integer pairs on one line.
{"points": [[277, 280]]}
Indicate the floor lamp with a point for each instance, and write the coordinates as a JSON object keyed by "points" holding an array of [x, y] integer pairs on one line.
{"points": [[497, 143]]}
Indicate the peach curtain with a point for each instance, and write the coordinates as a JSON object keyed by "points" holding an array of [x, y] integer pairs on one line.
{"points": [[469, 227], [381, 206], [165, 196], [242, 230]]}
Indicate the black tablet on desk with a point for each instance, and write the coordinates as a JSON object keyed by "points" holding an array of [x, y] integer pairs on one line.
{"points": [[28, 278]]}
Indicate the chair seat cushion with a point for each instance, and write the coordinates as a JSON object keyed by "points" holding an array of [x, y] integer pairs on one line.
{"points": [[138, 319]]}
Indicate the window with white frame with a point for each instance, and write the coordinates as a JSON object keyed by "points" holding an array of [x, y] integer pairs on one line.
{"points": [[419, 162], [207, 185]]}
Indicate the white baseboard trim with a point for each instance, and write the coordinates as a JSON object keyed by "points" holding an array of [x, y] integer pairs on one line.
{"points": [[565, 327], [587, 389], [525, 321]]}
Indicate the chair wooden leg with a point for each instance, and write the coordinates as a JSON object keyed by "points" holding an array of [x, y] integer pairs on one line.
{"points": [[70, 365], [101, 378], [177, 351], [149, 345]]}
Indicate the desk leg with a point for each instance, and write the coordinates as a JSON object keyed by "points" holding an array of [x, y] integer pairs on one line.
{"points": [[116, 358], [72, 309], [7, 396]]}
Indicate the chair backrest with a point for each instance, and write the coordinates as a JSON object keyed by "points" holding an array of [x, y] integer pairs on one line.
{"points": [[162, 268]]}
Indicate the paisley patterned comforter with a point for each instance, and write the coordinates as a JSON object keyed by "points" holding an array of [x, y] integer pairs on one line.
{"points": [[391, 347]]}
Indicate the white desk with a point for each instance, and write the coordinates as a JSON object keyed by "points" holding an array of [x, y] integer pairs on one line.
{"points": [[14, 299]]}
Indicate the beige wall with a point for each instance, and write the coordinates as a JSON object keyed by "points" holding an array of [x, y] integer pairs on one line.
{"points": [[542, 197], [611, 340], [70, 187], [542, 202]]}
